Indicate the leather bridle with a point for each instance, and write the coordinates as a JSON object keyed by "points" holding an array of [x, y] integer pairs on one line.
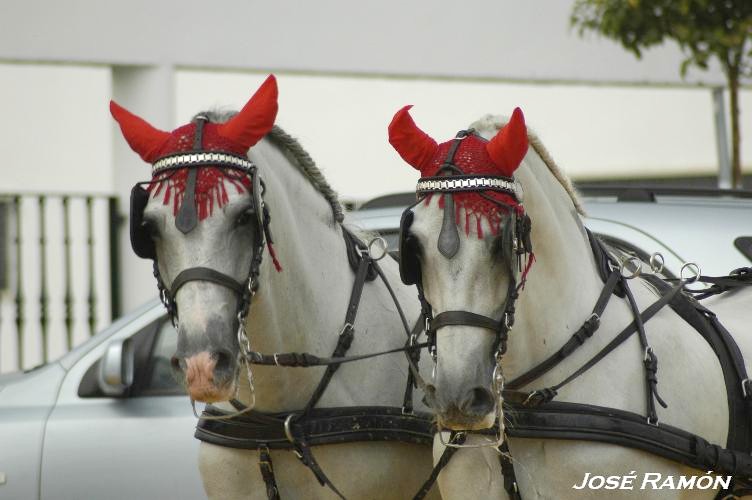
{"points": [[187, 219], [452, 179]]}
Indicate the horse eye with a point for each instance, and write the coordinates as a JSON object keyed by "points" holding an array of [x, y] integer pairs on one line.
{"points": [[150, 228], [244, 218], [497, 247]]}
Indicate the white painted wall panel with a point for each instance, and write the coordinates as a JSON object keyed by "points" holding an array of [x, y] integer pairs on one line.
{"points": [[508, 39]]}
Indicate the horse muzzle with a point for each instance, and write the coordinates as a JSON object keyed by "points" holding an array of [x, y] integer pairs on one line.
{"points": [[209, 377], [474, 409]]}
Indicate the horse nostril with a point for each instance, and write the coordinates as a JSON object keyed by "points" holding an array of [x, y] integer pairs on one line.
{"points": [[224, 361], [478, 401], [177, 364]]}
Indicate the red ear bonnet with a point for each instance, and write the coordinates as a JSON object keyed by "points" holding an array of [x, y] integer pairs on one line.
{"points": [[509, 146], [232, 138], [412, 144], [473, 156], [256, 118], [144, 139], [237, 135]]}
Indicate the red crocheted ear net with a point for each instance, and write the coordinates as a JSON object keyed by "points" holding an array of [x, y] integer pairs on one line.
{"points": [[499, 156], [235, 136]]}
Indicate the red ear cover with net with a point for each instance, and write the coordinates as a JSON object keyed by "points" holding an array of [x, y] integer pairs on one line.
{"points": [[509, 146], [256, 118], [412, 144], [144, 139]]}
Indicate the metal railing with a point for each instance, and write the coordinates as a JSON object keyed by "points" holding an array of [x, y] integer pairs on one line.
{"points": [[60, 268]]}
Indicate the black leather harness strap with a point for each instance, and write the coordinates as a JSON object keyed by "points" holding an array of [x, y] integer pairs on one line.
{"points": [[346, 336], [577, 421], [307, 360], [545, 395], [205, 274], [737, 278], [738, 385], [650, 361], [321, 426], [507, 470], [588, 328], [300, 439], [449, 238], [267, 473], [446, 456], [464, 318], [187, 216]]}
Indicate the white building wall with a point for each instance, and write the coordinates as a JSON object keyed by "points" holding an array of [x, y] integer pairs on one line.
{"points": [[591, 131], [55, 139], [340, 84]]}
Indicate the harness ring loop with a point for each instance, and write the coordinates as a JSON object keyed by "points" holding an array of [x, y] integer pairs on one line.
{"points": [[690, 267], [633, 274], [656, 262], [384, 248], [288, 430]]}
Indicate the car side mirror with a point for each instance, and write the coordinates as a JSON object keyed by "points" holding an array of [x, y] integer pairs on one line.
{"points": [[116, 368]]}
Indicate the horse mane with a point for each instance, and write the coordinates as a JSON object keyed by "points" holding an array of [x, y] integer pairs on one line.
{"points": [[302, 160], [492, 123]]}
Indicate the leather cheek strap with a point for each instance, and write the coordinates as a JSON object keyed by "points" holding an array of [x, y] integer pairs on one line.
{"points": [[205, 274]]}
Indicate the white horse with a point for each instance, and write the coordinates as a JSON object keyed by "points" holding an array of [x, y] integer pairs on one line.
{"points": [[561, 289], [299, 308]]}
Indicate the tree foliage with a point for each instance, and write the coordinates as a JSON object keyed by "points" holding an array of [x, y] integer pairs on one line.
{"points": [[704, 29]]}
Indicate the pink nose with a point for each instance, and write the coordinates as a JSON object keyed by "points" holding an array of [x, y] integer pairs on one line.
{"points": [[199, 375]]}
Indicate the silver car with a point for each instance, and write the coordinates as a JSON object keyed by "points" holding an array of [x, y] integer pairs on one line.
{"points": [[105, 421], [708, 227], [109, 421]]}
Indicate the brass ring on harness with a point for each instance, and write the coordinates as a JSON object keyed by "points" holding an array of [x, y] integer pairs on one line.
{"points": [[288, 430], [384, 248], [637, 271], [656, 262], [690, 267]]}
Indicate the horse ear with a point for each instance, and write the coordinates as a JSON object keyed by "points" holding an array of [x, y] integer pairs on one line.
{"points": [[412, 144], [141, 137], [509, 145], [256, 118]]}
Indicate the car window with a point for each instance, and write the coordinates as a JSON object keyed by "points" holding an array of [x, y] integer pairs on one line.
{"points": [[392, 239], [159, 378], [153, 346]]}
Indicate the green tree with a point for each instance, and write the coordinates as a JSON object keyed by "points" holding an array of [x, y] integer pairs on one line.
{"points": [[704, 29]]}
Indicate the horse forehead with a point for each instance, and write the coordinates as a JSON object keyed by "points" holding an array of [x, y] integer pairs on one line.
{"points": [[161, 208], [427, 219], [459, 273], [426, 226]]}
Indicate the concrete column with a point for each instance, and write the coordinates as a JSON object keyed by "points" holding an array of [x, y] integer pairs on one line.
{"points": [[149, 92], [721, 139]]}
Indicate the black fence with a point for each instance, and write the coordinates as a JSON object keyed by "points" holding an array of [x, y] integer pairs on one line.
{"points": [[59, 279]]}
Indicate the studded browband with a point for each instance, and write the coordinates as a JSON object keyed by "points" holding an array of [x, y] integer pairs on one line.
{"points": [[194, 159], [460, 183]]}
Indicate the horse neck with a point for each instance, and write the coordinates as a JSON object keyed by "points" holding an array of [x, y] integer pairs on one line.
{"points": [[563, 284], [302, 307]]}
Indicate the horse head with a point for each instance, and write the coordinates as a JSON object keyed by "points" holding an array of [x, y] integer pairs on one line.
{"points": [[201, 219], [466, 246]]}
